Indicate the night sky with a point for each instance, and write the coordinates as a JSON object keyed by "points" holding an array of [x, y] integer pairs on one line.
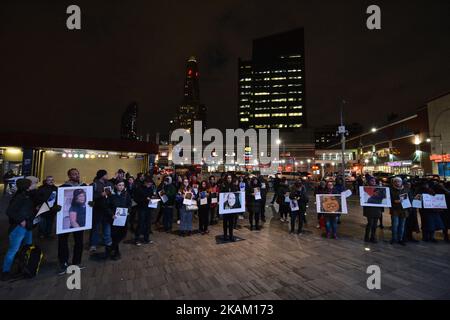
{"points": [[79, 82]]}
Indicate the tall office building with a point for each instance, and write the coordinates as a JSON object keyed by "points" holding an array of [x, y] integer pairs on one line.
{"points": [[272, 85], [190, 108], [128, 128]]}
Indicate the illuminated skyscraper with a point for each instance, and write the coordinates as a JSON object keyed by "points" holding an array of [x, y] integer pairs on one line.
{"points": [[272, 85], [128, 129], [190, 109]]}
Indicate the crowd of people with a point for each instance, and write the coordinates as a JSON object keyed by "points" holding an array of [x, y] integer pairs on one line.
{"points": [[149, 202]]}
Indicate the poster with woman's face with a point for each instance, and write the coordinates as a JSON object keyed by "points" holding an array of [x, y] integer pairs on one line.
{"points": [[375, 196], [75, 213], [231, 202], [331, 203]]}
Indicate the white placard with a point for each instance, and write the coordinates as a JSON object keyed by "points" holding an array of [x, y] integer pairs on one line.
{"points": [[163, 196], [294, 205], [347, 193], [287, 199], [153, 203], [257, 194], [44, 208], [120, 217], [75, 214], [406, 203], [231, 202], [51, 200], [214, 200], [203, 201], [263, 185], [434, 202]]}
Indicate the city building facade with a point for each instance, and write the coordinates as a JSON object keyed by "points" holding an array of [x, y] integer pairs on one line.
{"points": [[271, 86]]}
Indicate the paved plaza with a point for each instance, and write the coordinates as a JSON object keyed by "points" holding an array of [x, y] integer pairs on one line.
{"points": [[268, 264]]}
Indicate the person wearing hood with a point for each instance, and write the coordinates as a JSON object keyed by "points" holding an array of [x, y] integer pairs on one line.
{"points": [[63, 239], [228, 219], [167, 207], [102, 189], [21, 212], [398, 214], [372, 214], [431, 219]]}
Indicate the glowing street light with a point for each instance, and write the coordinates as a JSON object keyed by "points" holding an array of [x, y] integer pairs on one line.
{"points": [[374, 130], [278, 142]]}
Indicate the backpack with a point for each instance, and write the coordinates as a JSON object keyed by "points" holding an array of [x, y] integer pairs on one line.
{"points": [[31, 257]]}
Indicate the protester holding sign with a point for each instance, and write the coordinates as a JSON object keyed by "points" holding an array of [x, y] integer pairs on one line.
{"points": [[143, 196], [47, 194], [397, 211], [264, 187], [214, 199], [119, 200], [254, 203], [299, 197], [63, 239], [203, 207], [101, 216], [169, 190], [187, 201], [283, 199], [430, 217], [411, 224], [228, 219], [372, 213]]}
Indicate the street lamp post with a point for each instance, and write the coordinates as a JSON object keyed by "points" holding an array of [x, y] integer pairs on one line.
{"points": [[343, 132]]}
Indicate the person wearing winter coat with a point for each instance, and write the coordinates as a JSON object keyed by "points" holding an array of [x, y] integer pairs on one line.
{"points": [[264, 186], [142, 196], [431, 218], [282, 199], [398, 214], [47, 194], [170, 191], [21, 212], [228, 219], [203, 207], [102, 189], [254, 203], [372, 214], [298, 194], [120, 199], [63, 239], [186, 214], [213, 194]]}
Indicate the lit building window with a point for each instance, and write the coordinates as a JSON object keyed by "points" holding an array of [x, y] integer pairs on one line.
{"points": [[262, 93], [279, 100], [279, 114], [262, 115], [244, 119], [295, 114], [277, 78]]}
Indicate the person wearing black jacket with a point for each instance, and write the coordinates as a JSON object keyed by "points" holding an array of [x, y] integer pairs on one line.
{"points": [[47, 194], [120, 199], [102, 189], [372, 214], [282, 193], [142, 196], [298, 194], [63, 239], [228, 219], [264, 186], [21, 214], [254, 203]]}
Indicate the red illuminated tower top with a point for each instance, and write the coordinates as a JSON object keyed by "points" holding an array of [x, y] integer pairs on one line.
{"points": [[191, 85]]}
